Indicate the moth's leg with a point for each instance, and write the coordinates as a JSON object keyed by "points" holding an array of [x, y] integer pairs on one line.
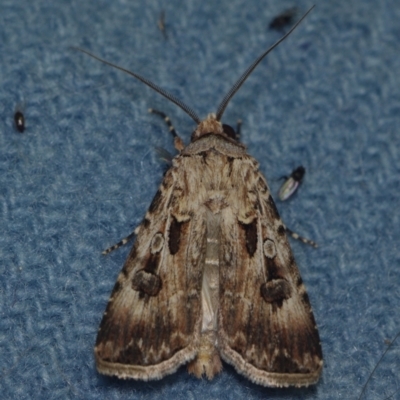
{"points": [[238, 129], [166, 119], [178, 142], [296, 236], [119, 244], [164, 155]]}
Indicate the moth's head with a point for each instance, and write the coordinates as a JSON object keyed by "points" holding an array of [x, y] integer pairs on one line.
{"points": [[211, 125]]}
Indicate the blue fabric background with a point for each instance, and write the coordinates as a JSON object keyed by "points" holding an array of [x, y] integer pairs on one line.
{"points": [[84, 172]]}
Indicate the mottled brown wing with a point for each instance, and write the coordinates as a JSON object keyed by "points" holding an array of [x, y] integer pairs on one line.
{"points": [[152, 320], [267, 329]]}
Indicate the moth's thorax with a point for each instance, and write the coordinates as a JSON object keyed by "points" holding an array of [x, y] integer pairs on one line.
{"points": [[209, 125]]}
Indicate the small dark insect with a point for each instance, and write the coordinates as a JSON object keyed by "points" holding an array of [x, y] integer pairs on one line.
{"points": [[292, 183], [19, 121], [284, 19]]}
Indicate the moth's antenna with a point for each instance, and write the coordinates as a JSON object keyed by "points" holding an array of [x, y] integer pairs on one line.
{"points": [[163, 92], [242, 79]]}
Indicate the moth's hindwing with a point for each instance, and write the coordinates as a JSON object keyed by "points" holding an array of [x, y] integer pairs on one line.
{"points": [[267, 329], [151, 323]]}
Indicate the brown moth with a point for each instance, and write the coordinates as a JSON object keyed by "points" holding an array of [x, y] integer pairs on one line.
{"points": [[211, 274]]}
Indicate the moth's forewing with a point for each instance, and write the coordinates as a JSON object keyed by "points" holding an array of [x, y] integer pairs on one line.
{"points": [[266, 327], [151, 324]]}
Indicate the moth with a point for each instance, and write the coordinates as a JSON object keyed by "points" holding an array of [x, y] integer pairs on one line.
{"points": [[211, 275], [291, 183], [19, 120]]}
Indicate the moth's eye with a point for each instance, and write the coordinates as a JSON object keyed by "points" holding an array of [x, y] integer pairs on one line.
{"points": [[229, 131]]}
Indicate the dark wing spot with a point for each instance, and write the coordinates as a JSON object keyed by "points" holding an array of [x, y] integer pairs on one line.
{"points": [[305, 298], [152, 263], [299, 281], [156, 202], [108, 330], [117, 288], [262, 187], [203, 155], [275, 291], [128, 262], [251, 236], [281, 230], [166, 183], [249, 174], [146, 282], [273, 270], [284, 364], [230, 165], [272, 206], [145, 223], [125, 271], [131, 355], [174, 236]]}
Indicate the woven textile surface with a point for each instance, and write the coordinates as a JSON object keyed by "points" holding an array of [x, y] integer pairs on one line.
{"points": [[85, 170]]}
